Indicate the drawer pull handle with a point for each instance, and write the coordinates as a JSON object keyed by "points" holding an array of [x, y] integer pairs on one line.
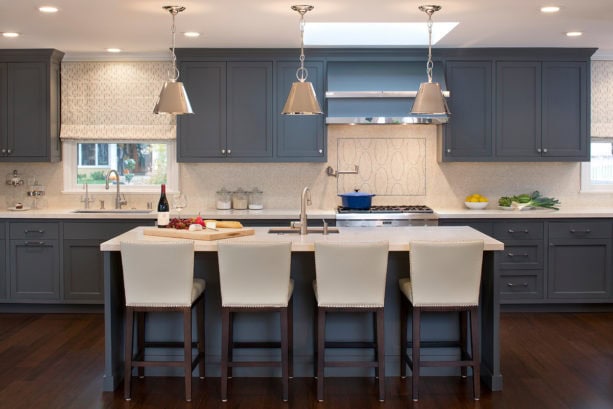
{"points": [[511, 231], [35, 243], [512, 285], [586, 231], [26, 231], [517, 255]]}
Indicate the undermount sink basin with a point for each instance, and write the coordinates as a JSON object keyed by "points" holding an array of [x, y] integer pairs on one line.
{"points": [[117, 211], [284, 230]]}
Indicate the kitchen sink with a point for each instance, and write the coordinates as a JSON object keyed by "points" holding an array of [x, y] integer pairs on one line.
{"points": [[285, 230], [116, 211]]}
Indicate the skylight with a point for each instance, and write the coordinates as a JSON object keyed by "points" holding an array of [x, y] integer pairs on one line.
{"points": [[373, 34]]}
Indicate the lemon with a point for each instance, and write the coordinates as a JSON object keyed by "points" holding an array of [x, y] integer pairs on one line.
{"points": [[483, 199]]}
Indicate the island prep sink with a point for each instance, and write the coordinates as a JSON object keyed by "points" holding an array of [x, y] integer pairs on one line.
{"points": [[284, 230], [119, 211]]}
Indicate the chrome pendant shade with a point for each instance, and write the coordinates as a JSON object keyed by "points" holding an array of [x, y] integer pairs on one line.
{"points": [[302, 99], [173, 97], [430, 99]]}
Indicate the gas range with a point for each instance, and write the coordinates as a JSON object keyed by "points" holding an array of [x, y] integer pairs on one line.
{"points": [[382, 216]]}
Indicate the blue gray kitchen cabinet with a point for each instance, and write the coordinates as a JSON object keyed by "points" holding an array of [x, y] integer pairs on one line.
{"points": [[83, 275], [34, 261], [3, 263], [299, 137], [233, 112], [30, 105], [541, 111], [469, 134], [579, 256]]}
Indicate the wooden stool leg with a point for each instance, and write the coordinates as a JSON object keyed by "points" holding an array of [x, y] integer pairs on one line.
{"points": [[416, 353], [140, 341], [321, 342], [463, 342], [200, 326], [284, 353], [128, 353], [187, 352], [475, 336], [379, 317], [375, 335], [404, 306], [230, 341], [225, 333], [290, 337]]}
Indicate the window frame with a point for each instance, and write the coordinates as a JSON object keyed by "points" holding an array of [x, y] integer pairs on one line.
{"points": [[70, 159]]}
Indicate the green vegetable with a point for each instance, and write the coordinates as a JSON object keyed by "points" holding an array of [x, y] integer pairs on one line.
{"points": [[534, 199]]}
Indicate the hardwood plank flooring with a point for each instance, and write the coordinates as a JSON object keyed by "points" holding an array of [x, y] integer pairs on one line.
{"points": [[550, 360]]}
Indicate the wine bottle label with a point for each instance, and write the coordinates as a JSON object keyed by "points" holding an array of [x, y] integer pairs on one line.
{"points": [[163, 219]]}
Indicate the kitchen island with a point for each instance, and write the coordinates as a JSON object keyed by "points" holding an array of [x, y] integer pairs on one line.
{"points": [[303, 273]]}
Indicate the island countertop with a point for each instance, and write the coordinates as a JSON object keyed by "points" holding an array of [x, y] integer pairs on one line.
{"points": [[398, 237]]}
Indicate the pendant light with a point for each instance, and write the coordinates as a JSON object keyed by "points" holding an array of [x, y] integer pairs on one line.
{"points": [[430, 99], [173, 98], [302, 99]]}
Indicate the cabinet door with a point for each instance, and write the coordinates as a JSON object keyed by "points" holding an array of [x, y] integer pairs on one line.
{"points": [[28, 111], [3, 267], [518, 110], [579, 269], [565, 107], [469, 133], [249, 119], [203, 134], [299, 137], [3, 110], [34, 270], [83, 270]]}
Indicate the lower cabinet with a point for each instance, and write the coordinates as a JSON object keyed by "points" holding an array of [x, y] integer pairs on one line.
{"points": [[3, 263]]}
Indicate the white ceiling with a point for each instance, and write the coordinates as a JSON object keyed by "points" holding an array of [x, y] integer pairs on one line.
{"points": [[85, 28]]}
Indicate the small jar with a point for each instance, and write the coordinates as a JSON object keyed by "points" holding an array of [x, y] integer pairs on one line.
{"points": [[223, 199], [239, 199], [255, 199]]}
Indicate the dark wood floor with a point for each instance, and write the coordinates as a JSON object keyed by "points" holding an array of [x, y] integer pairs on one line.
{"points": [[550, 360]]}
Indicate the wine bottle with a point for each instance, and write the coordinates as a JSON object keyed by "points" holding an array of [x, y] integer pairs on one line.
{"points": [[163, 209]]}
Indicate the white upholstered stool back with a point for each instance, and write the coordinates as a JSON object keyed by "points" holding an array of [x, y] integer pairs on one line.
{"points": [[159, 273], [444, 273], [351, 274], [254, 274]]}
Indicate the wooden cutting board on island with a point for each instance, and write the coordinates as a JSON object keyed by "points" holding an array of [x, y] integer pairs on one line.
{"points": [[206, 234]]}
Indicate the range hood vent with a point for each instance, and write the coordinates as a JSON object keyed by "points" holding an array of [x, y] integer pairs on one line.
{"points": [[378, 93]]}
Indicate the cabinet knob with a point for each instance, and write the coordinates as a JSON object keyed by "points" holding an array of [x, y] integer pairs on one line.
{"points": [[3, 150], [229, 151], [448, 150], [9, 151], [544, 150], [321, 151], [223, 151], [538, 150]]}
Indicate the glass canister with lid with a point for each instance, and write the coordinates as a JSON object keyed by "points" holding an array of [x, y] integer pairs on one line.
{"points": [[223, 199], [256, 199], [239, 199]]}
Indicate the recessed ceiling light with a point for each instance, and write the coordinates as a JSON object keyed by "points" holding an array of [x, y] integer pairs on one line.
{"points": [[550, 9], [574, 34], [10, 34], [48, 9], [113, 50], [191, 34]]}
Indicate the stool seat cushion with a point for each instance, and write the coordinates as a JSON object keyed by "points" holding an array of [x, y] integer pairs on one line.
{"points": [[407, 290], [197, 290], [344, 304], [249, 304]]}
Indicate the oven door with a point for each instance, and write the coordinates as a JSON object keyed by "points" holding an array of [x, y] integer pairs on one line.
{"points": [[386, 222]]}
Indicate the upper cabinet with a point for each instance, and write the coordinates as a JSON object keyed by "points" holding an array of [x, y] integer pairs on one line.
{"points": [[237, 105], [30, 105], [516, 107]]}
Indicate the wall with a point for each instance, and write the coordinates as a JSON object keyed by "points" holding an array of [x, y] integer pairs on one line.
{"points": [[439, 185]]}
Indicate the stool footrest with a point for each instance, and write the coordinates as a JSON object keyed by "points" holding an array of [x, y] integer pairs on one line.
{"points": [[256, 344], [345, 364], [167, 344], [235, 364], [350, 344]]}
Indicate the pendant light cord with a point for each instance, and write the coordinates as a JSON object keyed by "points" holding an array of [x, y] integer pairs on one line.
{"points": [[174, 57], [429, 64], [302, 73]]}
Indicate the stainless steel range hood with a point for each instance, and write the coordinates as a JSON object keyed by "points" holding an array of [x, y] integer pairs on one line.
{"points": [[380, 93]]}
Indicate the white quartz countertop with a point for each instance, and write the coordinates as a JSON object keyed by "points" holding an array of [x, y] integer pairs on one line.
{"points": [[496, 213], [398, 237]]}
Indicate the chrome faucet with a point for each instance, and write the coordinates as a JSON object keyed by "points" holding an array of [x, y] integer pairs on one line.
{"points": [[118, 200], [305, 199]]}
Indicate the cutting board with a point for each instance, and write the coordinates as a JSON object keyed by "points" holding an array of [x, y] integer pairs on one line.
{"points": [[206, 234]]}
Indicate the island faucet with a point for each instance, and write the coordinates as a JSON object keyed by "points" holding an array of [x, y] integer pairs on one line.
{"points": [[305, 199], [118, 200]]}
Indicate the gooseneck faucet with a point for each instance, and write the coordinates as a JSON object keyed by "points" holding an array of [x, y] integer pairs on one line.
{"points": [[118, 200], [305, 199]]}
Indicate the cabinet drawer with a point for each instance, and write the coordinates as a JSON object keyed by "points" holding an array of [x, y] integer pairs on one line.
{"points": [[2, 228], [518, 230], [34, 230], [580, 230], [519, 285], [100, 230], [524, 256]]}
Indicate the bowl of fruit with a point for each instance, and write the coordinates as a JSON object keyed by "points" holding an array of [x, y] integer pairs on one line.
{"points": [[476, 201]]}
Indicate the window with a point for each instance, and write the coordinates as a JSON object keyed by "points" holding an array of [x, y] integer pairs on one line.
{"points": [[597, 174], [142, 166]]}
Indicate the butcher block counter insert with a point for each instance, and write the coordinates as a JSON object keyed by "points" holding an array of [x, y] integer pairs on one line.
{"points": [[303, 274]]}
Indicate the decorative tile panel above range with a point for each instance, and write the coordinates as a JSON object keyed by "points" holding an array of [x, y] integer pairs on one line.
{"points": [[387, 166]]}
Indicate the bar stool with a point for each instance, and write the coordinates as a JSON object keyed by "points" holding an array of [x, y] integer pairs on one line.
{"points": [[159, 277], [255, 277], [444, 276], [350, 278]]}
